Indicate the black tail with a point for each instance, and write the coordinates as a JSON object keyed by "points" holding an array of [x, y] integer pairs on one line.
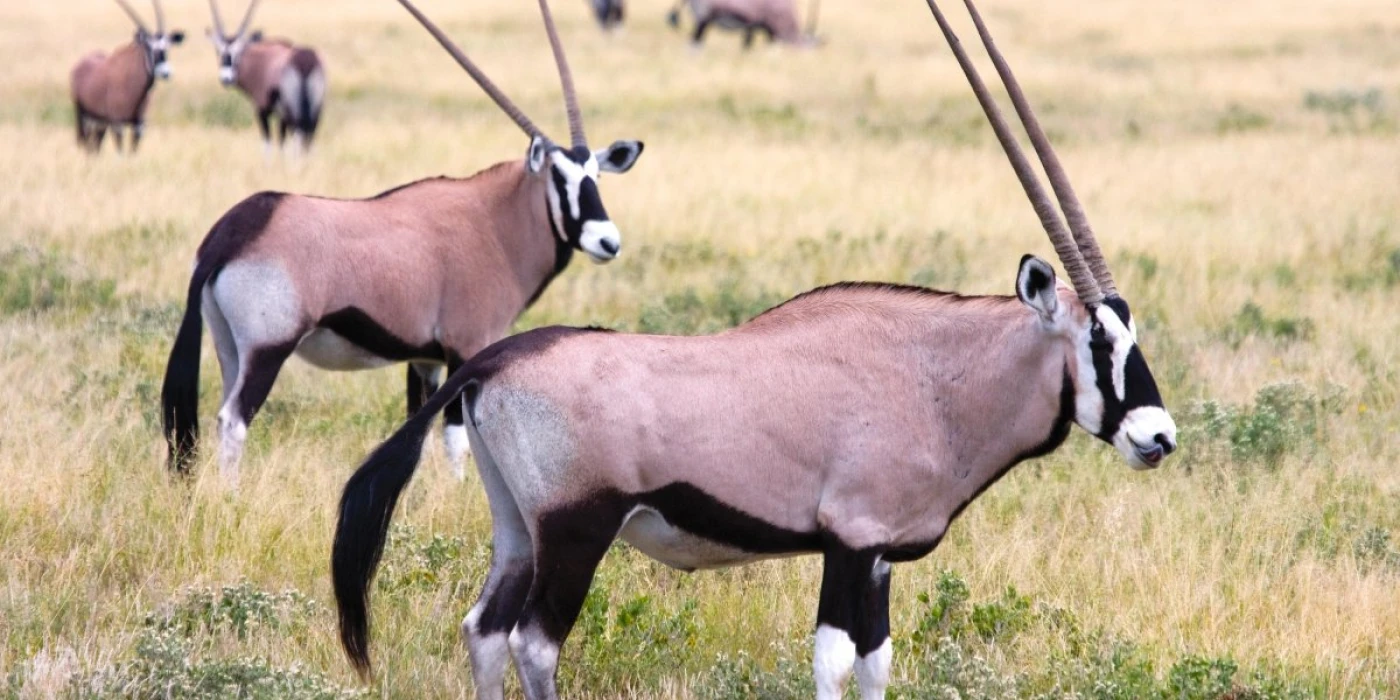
{"points": [[366, 508], [308, 65], [179, 395]]}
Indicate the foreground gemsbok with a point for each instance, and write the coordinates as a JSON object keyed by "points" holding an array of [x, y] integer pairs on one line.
{"points": [[427, 273], [277, 76], [112, 91], [775, 18], [855, 421]]}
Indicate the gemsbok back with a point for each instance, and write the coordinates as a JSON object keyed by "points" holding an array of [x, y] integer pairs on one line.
{"points": [[112, 91], [856, 421], [775, 18], [427, 273], [277, 76]]}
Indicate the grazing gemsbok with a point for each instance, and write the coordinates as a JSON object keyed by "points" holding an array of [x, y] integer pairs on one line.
{"points": [[855, 421], [427, 273], [112, 91], [608, 12], [277, 76], [775, 18]]}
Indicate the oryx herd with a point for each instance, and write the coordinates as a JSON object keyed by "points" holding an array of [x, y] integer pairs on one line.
{"points": [[288, 81], [855, 421]]}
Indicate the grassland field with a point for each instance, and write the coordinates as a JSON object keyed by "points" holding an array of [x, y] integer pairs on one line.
{"points": [[1241, 162]]}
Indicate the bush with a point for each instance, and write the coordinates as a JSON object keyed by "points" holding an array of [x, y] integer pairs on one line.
{"points": [[173, 655], [1285, 418]]}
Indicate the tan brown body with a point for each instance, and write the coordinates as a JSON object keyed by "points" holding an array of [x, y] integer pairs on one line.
{"points": [[477, 249], [866, 413], [113, 88]]}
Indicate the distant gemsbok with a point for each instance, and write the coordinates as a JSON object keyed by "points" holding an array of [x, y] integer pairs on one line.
{"points": [[427, 273], [775, 18], [112, 91], [277, 76], [608, 12], [856, 421]]}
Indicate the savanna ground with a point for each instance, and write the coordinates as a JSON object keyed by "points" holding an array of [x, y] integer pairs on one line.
{"points": [[1240, 163]]}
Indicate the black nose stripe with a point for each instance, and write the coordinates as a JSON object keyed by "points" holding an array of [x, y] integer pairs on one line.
{"points": [[590, 202]]}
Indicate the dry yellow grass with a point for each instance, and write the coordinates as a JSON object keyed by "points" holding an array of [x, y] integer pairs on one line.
{"points": [[1212, 181]]}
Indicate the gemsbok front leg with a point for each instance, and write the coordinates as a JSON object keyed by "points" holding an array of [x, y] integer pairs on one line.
{"points": [[853, 624], [454, 430]]}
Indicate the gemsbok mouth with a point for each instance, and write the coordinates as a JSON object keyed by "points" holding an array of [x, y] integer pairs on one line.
{"points": [[1151, 456]]}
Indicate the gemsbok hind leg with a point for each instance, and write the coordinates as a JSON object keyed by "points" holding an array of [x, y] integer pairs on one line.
{"points": [[487, 626], [255, 319], [568, 546], [852, 624]]}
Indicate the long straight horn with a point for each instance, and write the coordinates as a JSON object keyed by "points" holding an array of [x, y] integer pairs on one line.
{"points": [[218, 21], [160, 17], [491, 90], [134, 17], [566, 78], [1068, 252], [1059, 179], [247, 18]]}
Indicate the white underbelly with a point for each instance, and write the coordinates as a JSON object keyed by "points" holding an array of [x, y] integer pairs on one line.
{"points": [[649, 532], [327, 350]]}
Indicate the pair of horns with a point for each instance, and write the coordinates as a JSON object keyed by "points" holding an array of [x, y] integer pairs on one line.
{"points": [[160, 16], [242, 26], [566, 78], [1079, 252]]}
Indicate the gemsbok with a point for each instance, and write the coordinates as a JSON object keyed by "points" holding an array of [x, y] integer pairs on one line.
{"points": [[277, 76], [427, 273], [856, 421], [112, 91], [775, 18], [608, 12]]}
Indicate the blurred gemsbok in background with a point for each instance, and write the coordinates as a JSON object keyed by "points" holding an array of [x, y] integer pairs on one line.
{"points": [[608, 12], [427, 273], [277, 76], [775, 18], [112, 91], [856, 421]]}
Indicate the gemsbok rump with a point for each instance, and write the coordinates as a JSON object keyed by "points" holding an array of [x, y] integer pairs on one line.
{"points": [[277, 76], [427, 273], [112, 91], [775, 18], [856, 421]]}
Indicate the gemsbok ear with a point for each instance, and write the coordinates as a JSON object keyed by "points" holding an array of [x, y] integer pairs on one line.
{"points": [[177, 37], [1035, 286], [534, 158], [619, 157]]}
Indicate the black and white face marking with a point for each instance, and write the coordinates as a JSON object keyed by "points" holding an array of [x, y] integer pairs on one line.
{"points": [[575, 205], [229, 52], [1117, 398], [156, 47]]}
